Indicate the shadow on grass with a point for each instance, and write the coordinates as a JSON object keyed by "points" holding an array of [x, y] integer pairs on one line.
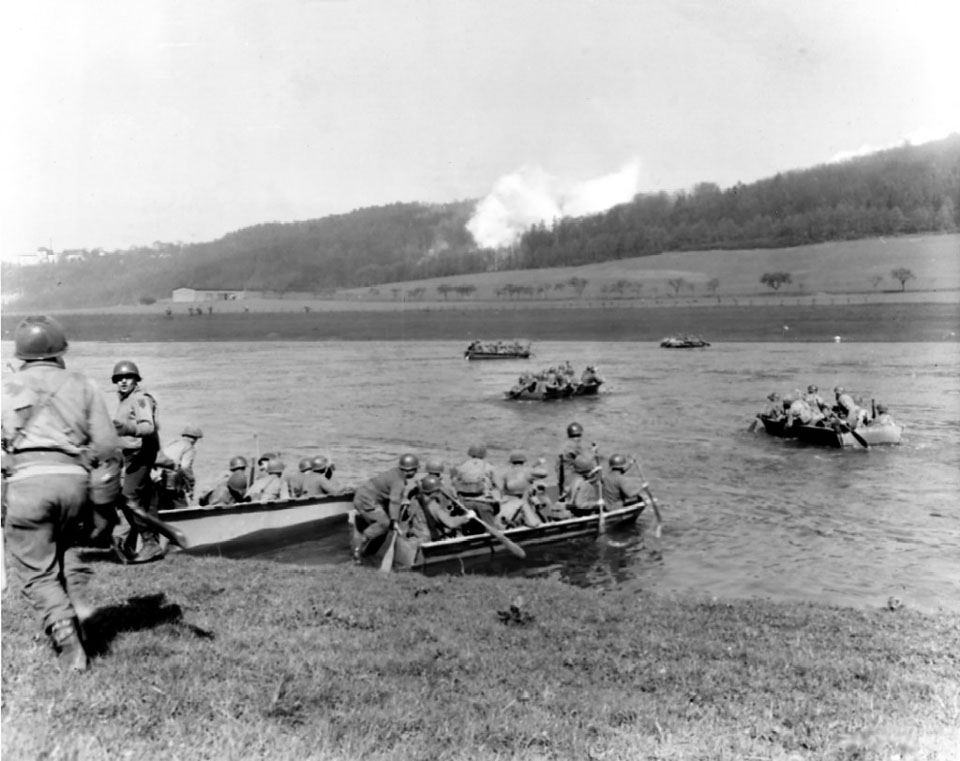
{"points": [[136, 614]]}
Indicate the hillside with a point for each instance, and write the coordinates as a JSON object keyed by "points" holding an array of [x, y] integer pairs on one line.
{"points": [[897, 194]]}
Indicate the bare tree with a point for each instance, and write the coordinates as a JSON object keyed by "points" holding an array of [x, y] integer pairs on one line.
{"points": [[712, 285], [903, 275], [677, 283], [876, 280]]}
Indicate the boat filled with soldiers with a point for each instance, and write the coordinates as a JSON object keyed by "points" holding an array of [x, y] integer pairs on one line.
{"points": [[497, 350]]}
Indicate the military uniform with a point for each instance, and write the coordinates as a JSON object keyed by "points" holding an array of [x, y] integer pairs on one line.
{"points": [[377, 502], [55, 427], [136, 422]]}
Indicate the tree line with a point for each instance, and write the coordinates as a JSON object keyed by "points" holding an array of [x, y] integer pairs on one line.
{"points": [[911, 189]]}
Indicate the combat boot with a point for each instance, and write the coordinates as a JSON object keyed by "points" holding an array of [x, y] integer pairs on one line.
{"points": [[71, 655], [149, 551]]}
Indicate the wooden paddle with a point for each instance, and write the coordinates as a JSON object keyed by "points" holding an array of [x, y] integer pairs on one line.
{"points": [[860, 440], [173, 534], [601, 505], [754, 424], [386, 565], [516, 549], [658, 529]]}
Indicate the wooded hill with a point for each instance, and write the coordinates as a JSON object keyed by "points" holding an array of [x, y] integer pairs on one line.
{"points": [[906, 190]]}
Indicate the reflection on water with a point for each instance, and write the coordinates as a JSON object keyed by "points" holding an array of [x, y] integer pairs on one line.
{"points": [[745, 514]]}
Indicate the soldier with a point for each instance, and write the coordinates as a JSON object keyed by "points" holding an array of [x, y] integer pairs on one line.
{"points": [[136, 422], [475, 481], [378, 502], [444, 516], [175, 479], [586, 492], [619, 488], [232, 488], [515, 482], [319, 481], [296, 481], [55, 428], [572, 449], [269, 487]]}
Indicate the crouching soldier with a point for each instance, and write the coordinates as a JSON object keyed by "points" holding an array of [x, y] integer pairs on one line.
{"points": [[55, 426], [231, 489], [377, 504]]}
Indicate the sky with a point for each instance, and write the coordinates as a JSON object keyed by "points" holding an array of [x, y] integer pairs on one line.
{"points": [[125, 123]]}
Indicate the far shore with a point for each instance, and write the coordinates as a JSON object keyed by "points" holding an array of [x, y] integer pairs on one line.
{"points": [[852, 317]]}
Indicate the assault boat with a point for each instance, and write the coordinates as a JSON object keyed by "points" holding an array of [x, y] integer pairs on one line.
{"points": [[480, 545], [541, 391], [214, 528], [683, 342], [478, 350], [873, 435]]}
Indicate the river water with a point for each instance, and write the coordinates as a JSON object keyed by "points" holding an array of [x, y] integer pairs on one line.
{"points": [[745, 514]]}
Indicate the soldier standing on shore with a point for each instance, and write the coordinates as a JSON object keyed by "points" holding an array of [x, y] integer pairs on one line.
{"points": [[55, 428], [136, 423]]}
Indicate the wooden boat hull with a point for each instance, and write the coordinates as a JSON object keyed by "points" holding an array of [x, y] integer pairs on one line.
{"points": [[210, 528], [485, 545], [679, 343], [543, 393], [777, 427], [496, 355], [877, 435]]}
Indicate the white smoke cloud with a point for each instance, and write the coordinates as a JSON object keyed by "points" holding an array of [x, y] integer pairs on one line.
{"points": [[531, 195], [917, 137]]}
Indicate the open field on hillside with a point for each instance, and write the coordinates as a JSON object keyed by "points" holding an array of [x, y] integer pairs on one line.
{"points": [[853, 322], [838, 267]]}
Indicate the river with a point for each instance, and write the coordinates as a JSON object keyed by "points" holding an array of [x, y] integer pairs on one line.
{"points": [[745, 514]]}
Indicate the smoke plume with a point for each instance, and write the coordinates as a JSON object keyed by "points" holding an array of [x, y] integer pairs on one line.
{"points": [[531, 195]]}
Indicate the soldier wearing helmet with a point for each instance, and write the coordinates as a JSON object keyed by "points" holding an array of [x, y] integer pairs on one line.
{"points": [[883, 416], [573, 448], [136, 421], [377, 503], [443, 513], [818, 407], [515, 482], [319, 482], [295, 479], [232, 487], [270, 487], [475, 482], [55, 427], [173, 476], [619, 489], [586, 492]]}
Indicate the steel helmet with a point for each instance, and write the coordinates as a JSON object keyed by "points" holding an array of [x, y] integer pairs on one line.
{"points": [[430, 484], [433, 466], [584, 464], [477, 450], [838, 390], [305, 464], [518, 457], [812, 388], [319, 463], [40, 337], [409, 462], [618, 462], [192, 431], [881, 407], [238, 462], [275, 466], [574, 430], [125, 367]]}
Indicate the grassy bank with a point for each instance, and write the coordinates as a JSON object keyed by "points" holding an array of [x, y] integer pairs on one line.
{"points": [[899, 321], [210, 658]]}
